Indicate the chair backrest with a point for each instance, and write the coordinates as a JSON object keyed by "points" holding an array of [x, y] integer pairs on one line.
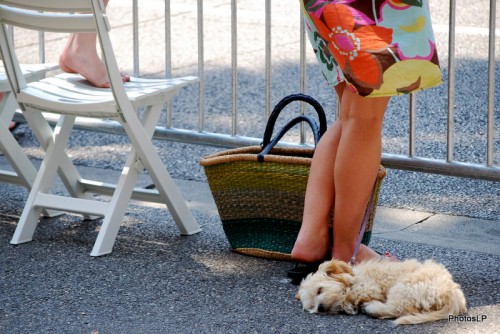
{"points": [[52, 5], [64, 16], [51, 15]]}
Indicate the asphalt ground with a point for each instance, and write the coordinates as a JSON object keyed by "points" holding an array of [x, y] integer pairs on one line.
{"points": [[156, 281]]}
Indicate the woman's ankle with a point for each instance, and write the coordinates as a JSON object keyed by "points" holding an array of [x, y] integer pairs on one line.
{"points": [[312, 246], [305, 254]]}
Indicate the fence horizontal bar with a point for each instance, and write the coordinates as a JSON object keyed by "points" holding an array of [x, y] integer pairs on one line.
{"points": [[434, 166], [427, 165], [10, 177]]}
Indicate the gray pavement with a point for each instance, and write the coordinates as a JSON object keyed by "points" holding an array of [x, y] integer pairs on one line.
{"points": [[157, 281]]}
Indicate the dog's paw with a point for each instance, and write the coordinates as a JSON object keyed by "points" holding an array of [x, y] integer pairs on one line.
{"points": [[350, 309], [372, 308]]}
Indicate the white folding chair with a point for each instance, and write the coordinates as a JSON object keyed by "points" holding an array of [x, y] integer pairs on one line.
{"points": [[70, 96]]}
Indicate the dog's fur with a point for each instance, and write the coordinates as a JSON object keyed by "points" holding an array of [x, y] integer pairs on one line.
{"points": [[410, 291]]}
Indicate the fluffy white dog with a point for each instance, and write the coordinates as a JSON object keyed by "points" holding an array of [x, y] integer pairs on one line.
{"points": [[410, 291]]}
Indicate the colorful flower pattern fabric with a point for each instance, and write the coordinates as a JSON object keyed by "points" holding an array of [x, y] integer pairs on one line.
{"points": [[378, 47]]}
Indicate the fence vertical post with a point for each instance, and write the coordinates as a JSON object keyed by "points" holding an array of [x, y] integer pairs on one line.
{"points": [[135, 34], [491, 85], [451, 84], [168, 57], [268, 54], [412, 125], [234, 66], [201, 69]]}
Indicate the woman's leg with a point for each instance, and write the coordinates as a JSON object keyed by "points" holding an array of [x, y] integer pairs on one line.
{"points": [[313, 241], [356, 167], [343, 172], [80, 56]]}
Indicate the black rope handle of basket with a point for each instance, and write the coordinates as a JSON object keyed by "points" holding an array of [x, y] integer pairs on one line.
{"points": [[268, 144], [282, 104], [312, 123]]}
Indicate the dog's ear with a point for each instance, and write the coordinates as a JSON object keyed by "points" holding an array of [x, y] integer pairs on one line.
{"points": [[336, 267], [346, 279]]}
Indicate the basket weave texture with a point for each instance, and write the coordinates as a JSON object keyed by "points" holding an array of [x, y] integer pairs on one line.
{"points": [[261, 204]]}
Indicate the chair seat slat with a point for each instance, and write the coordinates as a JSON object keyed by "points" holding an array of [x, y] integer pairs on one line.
{"points": [[37, 98]]}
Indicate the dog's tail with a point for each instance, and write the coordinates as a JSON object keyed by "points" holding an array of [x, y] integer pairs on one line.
{"points": [[455, 306]]}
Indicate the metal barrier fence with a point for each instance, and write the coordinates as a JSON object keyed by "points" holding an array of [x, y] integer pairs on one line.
{"points": [[488, 170]]}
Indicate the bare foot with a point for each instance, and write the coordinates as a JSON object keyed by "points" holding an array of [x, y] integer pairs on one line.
{"points": [[365, 253], [312, 246], [80, 56]]}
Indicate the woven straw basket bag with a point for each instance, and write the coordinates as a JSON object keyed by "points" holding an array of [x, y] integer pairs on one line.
{"points": [[259, 191]]}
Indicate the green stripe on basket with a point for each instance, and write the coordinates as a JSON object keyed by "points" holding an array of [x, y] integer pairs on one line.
{"points": [[272, 235]]}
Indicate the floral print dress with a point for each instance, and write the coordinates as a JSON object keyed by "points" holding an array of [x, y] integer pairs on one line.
{"points": [[378, 47]]}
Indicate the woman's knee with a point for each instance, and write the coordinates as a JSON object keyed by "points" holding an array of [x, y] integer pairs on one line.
{"points": [[362, 110]]}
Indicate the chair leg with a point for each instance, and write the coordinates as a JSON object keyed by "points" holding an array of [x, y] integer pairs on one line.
{"points": [[125, 186], [141, 139], [44, 180], [25, 172], [24, 169], [166, 187], [16, 157], [117, 206], [176, 204]]}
